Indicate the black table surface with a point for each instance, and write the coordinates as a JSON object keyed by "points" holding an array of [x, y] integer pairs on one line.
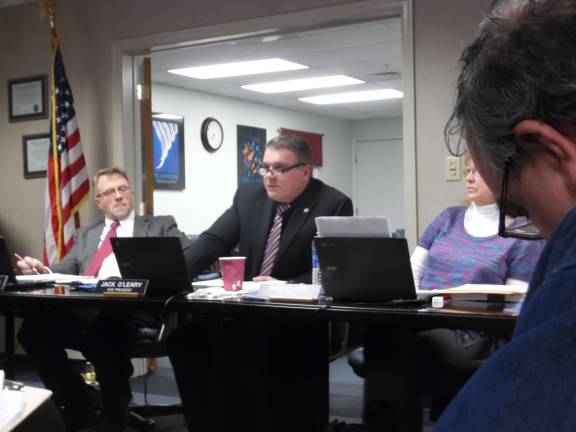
{"points": [[417, 317]]}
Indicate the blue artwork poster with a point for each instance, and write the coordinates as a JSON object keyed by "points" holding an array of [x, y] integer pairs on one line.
{"points": [[251, 142], [168, 153]]}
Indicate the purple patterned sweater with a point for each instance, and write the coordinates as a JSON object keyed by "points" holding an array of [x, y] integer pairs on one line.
{"points": [[455, 257]]}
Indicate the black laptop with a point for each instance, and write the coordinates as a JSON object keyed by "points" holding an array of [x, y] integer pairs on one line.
{"points": [[7, 269], [366, 269], [158, 259]]}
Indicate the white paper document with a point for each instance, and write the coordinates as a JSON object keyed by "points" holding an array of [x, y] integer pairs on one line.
{"points": [[55, 278], [11, 406], [288, 292]]}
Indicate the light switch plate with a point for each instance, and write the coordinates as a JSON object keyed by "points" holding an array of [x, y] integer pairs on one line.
{"points": [[453, 171]]}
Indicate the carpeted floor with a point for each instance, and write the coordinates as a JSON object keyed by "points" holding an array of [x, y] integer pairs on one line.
{"points": [[160, 388]]}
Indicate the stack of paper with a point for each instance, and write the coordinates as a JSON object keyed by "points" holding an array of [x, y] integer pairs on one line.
{"points": [[304, 293], [57, 278], [480, 295]]}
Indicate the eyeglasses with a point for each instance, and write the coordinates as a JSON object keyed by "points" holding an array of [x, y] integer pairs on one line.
{"points": [[527, 231], [471, 171], [122, 189], [278, 170]]}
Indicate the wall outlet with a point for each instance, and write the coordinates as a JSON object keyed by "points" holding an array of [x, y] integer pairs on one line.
{"points": [[453, 171]]}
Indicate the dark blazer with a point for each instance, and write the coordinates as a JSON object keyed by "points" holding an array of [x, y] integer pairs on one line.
{"points": [[247, 222], [86, 241]]}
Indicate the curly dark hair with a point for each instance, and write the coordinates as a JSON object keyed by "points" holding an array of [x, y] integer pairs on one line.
{"points": [[522, 65]]}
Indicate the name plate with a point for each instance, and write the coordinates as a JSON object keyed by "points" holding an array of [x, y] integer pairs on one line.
{"points": [[122, 287]]}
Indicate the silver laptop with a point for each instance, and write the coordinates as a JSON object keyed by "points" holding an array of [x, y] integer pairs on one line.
{"points": [[366, 269]]}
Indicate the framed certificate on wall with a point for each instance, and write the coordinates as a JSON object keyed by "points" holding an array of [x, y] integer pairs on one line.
{"points": [[35, 155], [27, 99]]}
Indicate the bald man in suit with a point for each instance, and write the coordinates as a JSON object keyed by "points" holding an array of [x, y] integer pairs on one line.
{"points": [[103, 338]]}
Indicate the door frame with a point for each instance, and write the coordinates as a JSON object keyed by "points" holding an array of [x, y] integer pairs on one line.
{"points": [[125, 127]]}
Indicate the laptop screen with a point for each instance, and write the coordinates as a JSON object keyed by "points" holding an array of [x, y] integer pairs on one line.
{"points": [[6, 262], [365, 269], [160, 260]]}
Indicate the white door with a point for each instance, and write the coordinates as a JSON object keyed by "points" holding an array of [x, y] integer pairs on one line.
{"points": [[378, 182]]}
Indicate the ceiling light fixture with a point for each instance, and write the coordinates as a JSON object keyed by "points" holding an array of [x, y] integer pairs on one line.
{"points": [[303, 84], [251, 67], [362, 96], [166, 116]]}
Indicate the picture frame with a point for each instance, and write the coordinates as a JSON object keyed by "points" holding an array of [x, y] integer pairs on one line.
{"points": [[250, 151], [168, 152], [27, 98], [35, 155]]}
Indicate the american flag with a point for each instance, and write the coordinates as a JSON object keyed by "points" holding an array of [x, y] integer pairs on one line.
{"points": [[68, 185]]}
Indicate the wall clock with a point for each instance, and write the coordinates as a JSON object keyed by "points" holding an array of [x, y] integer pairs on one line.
{"points": [[211, 134]]}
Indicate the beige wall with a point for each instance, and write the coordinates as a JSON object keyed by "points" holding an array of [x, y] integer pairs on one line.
{"points": [[88, 29], [442, 28]]}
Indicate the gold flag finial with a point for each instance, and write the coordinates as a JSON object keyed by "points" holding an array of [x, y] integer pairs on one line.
{"points": [[49, 10]]}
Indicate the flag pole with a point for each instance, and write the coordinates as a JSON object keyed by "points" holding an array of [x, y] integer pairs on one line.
{"points": [[67, 185], [49, 10]]}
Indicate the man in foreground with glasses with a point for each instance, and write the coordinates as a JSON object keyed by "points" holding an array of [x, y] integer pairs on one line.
{"points": [[516, 108], [104, 339], [272, 224]]}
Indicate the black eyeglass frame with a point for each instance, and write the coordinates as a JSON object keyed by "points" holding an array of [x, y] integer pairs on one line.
{"points": [[527, 231], [278, 171]]}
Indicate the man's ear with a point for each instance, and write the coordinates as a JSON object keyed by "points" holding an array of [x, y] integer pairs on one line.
{"points": [[97, 202], [548, 147], [536, 136]]}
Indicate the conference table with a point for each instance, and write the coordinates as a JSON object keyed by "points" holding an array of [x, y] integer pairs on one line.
{"points": [[304, 327]]}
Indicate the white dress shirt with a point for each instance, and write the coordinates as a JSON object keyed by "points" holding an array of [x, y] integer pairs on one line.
{"points": [[125, 229]]}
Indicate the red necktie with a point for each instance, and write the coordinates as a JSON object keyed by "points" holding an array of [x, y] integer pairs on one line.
{"points": [[103, 251], [273, 241]]}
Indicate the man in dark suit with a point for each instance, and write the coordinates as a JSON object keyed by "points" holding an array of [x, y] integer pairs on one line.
{"points": [[287, 174], [103, 338], [287, 203]]}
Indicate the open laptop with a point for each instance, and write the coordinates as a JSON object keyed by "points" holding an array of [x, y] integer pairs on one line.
{"points": [[365, 269], [6, 269], [158, 259]]}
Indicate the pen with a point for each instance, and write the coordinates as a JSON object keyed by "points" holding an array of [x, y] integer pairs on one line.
{"points": [[20, 258]]}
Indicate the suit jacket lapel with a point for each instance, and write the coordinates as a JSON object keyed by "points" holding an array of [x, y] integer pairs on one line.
{"points": [[262, 217], [92, 240], [141, 224]]}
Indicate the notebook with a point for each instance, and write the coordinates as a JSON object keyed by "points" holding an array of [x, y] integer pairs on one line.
{"points": [[365, 269], [7, 269], [158, 259]]}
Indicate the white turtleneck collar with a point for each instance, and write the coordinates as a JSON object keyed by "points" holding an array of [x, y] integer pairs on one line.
{"points": [[481, 221]]}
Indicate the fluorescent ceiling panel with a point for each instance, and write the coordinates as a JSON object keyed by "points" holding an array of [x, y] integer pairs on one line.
{"points": [[166, 116], [361, 96], [251, 67], [303, 84]]}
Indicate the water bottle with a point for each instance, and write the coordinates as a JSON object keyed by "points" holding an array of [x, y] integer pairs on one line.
{"points": [[316, 275]]}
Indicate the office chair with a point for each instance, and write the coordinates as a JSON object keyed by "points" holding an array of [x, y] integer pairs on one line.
{"points": [[147, 346], [454, 377]]}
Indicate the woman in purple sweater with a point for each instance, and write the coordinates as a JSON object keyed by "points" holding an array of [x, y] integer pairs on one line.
{"points": [[460, 246]]}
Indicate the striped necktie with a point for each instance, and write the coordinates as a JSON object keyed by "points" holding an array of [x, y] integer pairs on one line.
{"points": [[103, 251], [273, 241]]}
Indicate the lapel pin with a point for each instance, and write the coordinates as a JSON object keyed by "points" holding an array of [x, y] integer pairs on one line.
{"points": [[306, 210]]}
